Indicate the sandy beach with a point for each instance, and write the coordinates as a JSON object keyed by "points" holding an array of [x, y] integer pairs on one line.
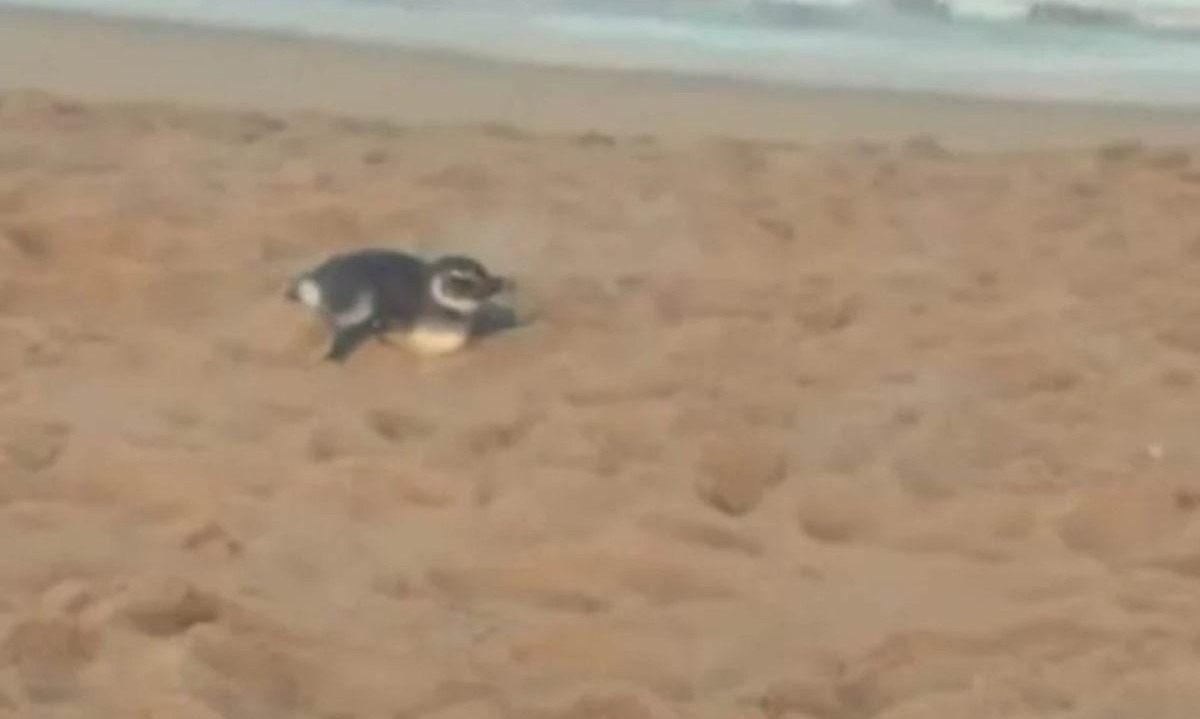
{"points": [[808, 420]]}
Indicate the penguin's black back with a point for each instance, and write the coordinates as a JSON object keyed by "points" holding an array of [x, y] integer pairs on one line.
{"points": [[396, 280]]}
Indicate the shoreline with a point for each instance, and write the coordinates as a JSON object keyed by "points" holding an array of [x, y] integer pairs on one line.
{"points": [[258, 69]]}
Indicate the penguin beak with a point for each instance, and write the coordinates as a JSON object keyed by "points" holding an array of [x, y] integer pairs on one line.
{"points": [[503, 285], [291, 294]]}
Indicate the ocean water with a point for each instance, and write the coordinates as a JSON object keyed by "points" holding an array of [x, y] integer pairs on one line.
{"points": [[1119, 51]]}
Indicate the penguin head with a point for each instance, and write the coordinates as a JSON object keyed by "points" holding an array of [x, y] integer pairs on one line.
{"points": [[462, 284]]}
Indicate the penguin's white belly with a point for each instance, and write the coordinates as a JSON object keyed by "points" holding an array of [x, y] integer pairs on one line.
{"points": [[437, 339]]}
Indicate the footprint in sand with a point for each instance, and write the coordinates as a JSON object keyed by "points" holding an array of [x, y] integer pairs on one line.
{"points": [[49, 655], [35, 446], [246, 676], [27, 244], [702, 534], [167, 607], [1127, 521], [734, 477], [397, 427]]}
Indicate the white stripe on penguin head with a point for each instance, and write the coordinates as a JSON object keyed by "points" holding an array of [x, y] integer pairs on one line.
{"points": [[464, 305]]}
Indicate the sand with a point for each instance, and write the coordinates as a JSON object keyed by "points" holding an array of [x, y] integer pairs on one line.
{"points": [[793, 431]]}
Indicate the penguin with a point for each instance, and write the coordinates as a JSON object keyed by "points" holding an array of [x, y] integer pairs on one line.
{"points": [[436, 305]]}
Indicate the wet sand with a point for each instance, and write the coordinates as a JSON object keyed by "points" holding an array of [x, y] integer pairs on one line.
{"points": [[106, 59], [794, 430]]}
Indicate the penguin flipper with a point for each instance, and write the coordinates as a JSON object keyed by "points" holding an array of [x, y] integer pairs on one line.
{"points": [[346, 340]]}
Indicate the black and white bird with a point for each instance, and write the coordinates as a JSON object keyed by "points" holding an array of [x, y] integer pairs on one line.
{"points": [[436, 305]]}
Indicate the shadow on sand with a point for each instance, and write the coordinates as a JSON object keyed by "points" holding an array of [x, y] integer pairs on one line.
{"points": [[494, 318]]}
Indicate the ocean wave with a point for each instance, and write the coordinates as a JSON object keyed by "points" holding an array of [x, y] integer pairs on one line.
{"points": [[1081, 14], [805, 13]]}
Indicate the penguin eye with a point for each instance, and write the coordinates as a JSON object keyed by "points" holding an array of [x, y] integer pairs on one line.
{"points": [[462, 283]]}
